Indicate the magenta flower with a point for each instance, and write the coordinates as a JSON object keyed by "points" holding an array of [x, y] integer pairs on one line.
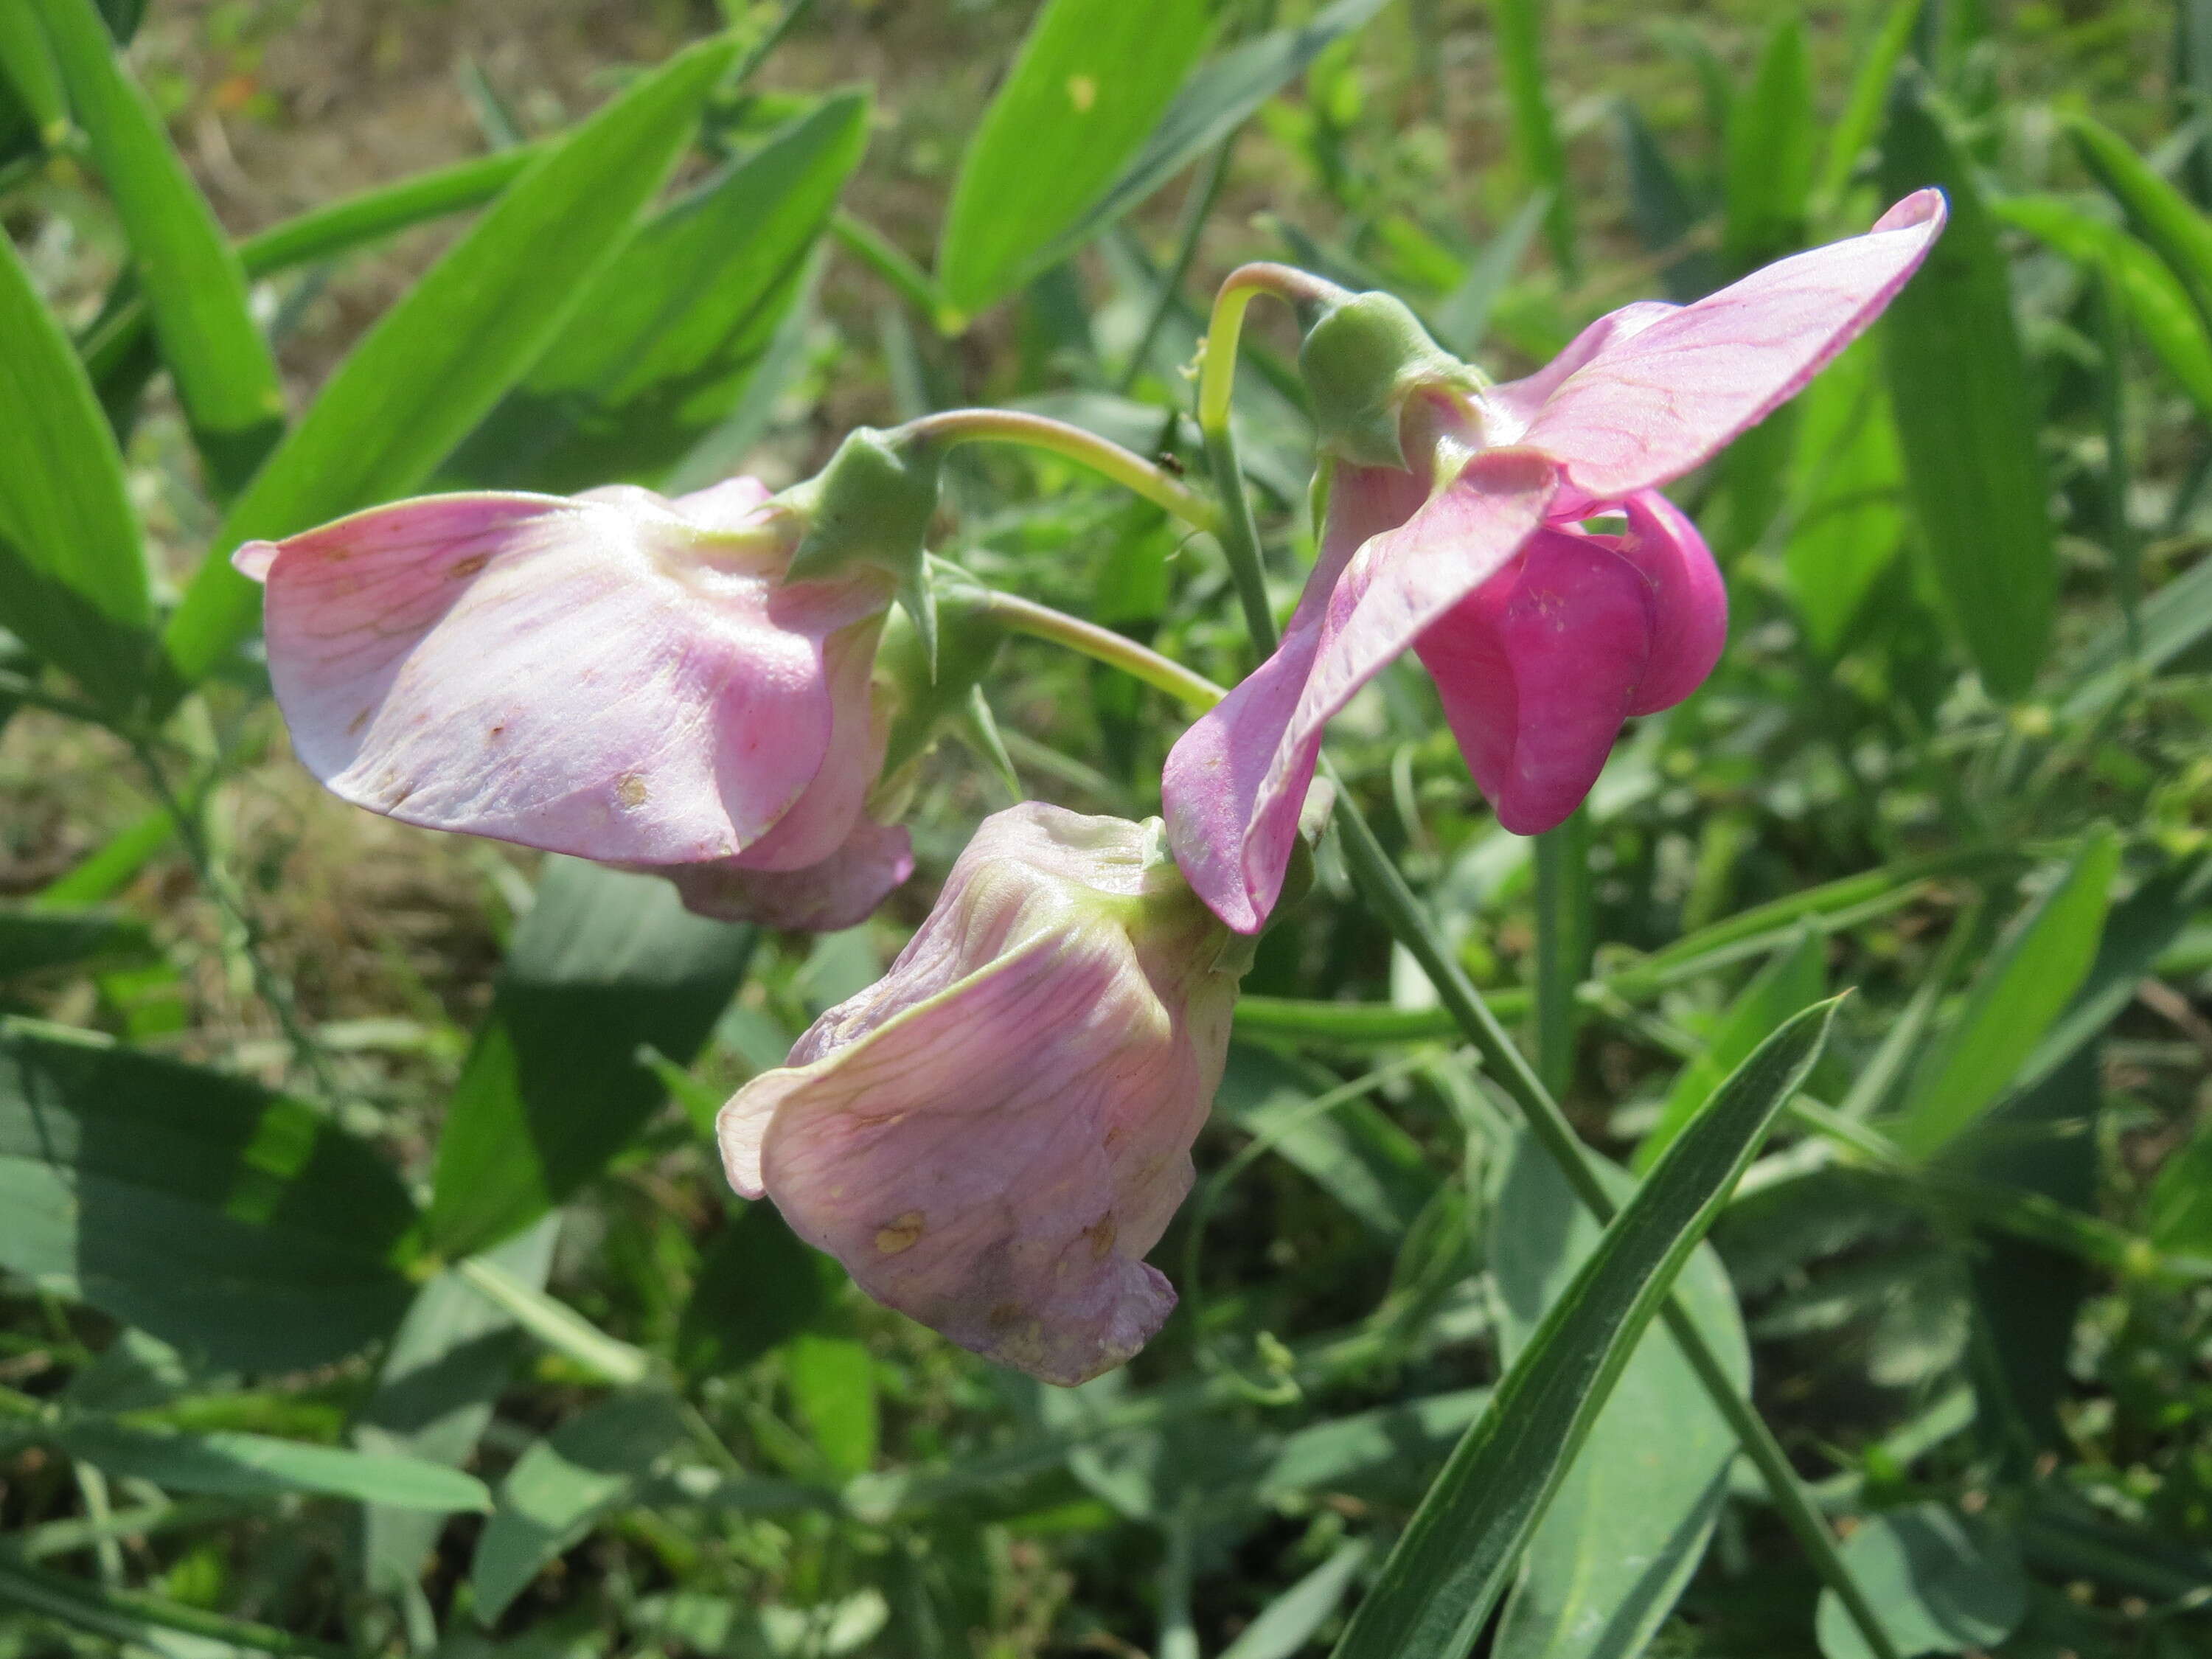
{"points": [[1542, 637], [992, 1136], [617, 676]]}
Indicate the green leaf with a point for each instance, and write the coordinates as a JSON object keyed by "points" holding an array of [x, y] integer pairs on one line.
{"points": [[34, 940], [1768, 163], [2177, 1212], [73, 581], [562, 1486], [28, 71], [1794, 980], [2157, 304], [1938, 1584], [1855, 128], [669, 337], [605, 963], [1218, 99], [1660, 208], [434, 1394], [1451, 1564], [1967, 415], [1285, 1625], [1353, 1152], [148, 1623], [437, 362], [234, 1223], [1537, 150], [1846, 485], [2032, 972], [1631, 1521], [1092, 80], [226, 377], [237, 1465], [2157, 212], [1384, 1456], [757, 1285], [833, 1386], [2174, 620]]}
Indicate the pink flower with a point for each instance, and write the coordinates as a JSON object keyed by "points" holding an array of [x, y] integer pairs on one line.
{"points": [[1542, 638], [992, 1136], [618, 676]]}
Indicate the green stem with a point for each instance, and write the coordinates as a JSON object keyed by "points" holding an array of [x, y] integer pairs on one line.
{"points": [[1562, 944], [1042, 622], [1125, 467], [1386, 892], [889, 261]]}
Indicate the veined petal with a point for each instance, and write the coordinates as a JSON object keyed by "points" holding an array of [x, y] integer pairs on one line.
{"points": [[1508, 408], [1648, 407], [1236, 781], [1537, 669], [841, 891], [607, 678], [1210, 788], [1689, 600]]}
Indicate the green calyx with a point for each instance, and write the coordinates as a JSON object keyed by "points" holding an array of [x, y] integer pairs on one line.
{"points": [[1361, 359], [930, 692], [870, 510]]}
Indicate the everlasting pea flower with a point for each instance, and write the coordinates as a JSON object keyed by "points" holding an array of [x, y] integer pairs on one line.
{"points": [[1542, 638], [992, 1136], [617, 675]]}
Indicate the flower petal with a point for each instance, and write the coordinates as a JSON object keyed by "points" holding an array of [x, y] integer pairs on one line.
{"points": [[1689, 600], [604, 678], [1648, 407], [1210, 787], [1537, 668], [1234, 782], [1508, 408], [841, 891]]}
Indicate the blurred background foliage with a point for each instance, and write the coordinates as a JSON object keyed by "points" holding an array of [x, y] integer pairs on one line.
{"points": [[367, 1283]]}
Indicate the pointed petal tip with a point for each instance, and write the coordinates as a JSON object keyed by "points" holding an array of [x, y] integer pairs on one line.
{"points": [[253, 559], [1927, 208]]}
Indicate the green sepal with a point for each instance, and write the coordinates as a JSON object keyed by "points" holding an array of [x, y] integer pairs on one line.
{"points": [[1361, 359], [870, 508], [933, 692], [979, 730]]}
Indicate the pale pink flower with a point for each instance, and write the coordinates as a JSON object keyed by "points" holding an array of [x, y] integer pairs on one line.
{"points": [[992, 1136], [1542, 638], [617, 675]]}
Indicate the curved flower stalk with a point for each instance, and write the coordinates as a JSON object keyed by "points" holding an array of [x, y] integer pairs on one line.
{"points": [[992, 1136], [617, 675], [1454, 528]]}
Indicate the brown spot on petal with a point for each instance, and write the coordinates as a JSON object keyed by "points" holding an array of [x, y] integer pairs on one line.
{"points": [[468, 566], [1101, 1235], [353, 726], [900, 1235], [630, 790], [497, 732], [1004, 1314]]}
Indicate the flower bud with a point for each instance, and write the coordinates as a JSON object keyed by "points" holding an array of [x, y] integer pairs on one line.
{"points": [[1362, 358], [992, 1136]]}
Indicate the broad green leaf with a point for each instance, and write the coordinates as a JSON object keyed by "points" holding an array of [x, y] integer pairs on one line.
{"points": [[757, 1285], [1462, 318], [2032, 972], [1660, 208], [238, 1465], [1938, 1584], [1846, 488], [1285, 1625], [1092, 81], [1794, 980], [832, 1380], [2174, 620], [1518, 26], [605, 964], [230, 1222], [1631, 1521], [225, 376], [437, 362], [32, 939], [1854, 130], [562, 1485], [1452, 1563], [30, 82], [2160, 214], [1353, 1152], [1384, 1456], [2178, 1213], [73, 583], [668, 337], [102, 871], [2157, 304], [1768, 163], [1967, 415], [1216, 100], [441, 1375]]}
